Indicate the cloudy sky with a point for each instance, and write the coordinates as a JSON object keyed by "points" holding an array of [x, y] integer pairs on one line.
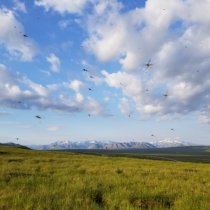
{"points": [[81, 66]]}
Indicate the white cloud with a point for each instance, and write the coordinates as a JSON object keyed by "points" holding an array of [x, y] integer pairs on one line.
{"points": [[129, 84], [21, 93], [79, 97], [174, 35], [37, 88], [19, 6], [75, 85], [125, 106], [12, 37], [54, 128], [152, 108], [106, 34], [53, 87], [93, 107], [63, 6], [54, 61], [135, 36], [10, 92]]}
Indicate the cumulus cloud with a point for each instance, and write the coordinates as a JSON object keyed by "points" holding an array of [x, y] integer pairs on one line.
{"points": [[75, 85], [125, 106], [79, 97], [10, 92], [19, 6], [37, 88], [130, 85], [106, 34], [93, 107], [20, 92], [129, 36], [62, 6], [174, 35], [12, 39], [54, 61]]}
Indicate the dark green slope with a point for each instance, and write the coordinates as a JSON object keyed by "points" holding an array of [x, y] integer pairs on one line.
{"points": [[186, 154], [11, 144]]}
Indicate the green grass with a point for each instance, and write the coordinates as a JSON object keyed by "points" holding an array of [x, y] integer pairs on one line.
{"points": [[63, 181], [198, 154]]}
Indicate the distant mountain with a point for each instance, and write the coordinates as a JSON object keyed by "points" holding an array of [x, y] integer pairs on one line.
{"points": [[170, 143], [75, 145], [64, 145], [11, 144], [128, 145]]}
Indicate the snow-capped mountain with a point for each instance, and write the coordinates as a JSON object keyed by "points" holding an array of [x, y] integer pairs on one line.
{"points": [[128, 145], [63, 145], [170, 143], [76, 145]]}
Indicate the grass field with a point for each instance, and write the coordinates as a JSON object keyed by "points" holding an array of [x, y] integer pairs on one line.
{"points": [[197, 154], [64, 181]]}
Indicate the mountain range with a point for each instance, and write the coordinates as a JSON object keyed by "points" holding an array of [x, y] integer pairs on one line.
{"points": [[65, 145]]}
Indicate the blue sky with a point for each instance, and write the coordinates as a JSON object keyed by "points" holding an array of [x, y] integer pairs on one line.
{"points": [[46, 44]]}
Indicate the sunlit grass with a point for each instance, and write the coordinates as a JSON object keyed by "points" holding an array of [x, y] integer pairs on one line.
{"points": [[58, 180]]}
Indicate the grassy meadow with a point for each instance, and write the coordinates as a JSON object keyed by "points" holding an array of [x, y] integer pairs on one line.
{"points": [[64, 181], [197, 154]]}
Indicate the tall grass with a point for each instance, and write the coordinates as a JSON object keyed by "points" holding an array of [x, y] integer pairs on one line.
{"points": [[64, 181]]}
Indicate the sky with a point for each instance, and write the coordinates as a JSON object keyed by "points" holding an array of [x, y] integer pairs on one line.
{"points": [[108, 70]]}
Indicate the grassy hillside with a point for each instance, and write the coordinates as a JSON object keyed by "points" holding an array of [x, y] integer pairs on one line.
{"points": [[199, 154], [58, 180]]}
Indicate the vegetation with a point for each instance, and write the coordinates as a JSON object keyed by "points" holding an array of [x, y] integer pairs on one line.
{"points": [[199, 154], [60, 180]]}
